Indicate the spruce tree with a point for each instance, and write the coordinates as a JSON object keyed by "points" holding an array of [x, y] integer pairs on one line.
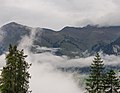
{"points": [[94, 81], [15, 76], [111, 82]]}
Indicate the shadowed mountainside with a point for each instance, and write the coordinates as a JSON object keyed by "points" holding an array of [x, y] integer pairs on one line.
{"points": [[71, 41]]}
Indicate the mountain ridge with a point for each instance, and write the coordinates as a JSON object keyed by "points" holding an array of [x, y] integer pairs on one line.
{"points": [[71, 41]]}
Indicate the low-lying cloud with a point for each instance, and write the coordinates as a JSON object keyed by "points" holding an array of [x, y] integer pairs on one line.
{"points": [[46, 78]]}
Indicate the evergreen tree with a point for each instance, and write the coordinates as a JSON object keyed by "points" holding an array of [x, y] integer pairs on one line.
{"points": [[15, 77], [94, 81], [111, 82]]}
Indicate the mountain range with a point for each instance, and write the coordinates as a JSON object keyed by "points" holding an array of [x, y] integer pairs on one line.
{"points": [[70, 41]]}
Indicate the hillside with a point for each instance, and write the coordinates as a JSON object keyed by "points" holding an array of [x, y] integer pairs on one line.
{"points": [[71, 41]]}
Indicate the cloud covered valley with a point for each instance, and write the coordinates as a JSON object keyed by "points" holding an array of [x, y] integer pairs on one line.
{"points": [[47, 78]]}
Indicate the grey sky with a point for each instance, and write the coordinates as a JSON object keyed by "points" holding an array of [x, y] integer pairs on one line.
{"points": [[56, 14]]}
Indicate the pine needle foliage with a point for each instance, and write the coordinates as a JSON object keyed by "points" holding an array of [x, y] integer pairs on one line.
{"points": [[94, 81], [15, 76], [111, 82]]}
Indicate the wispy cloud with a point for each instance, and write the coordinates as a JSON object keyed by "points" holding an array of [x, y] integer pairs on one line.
{"points": [[46, 78]]}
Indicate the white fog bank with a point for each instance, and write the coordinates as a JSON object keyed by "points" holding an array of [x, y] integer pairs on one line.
{"points": [[46, 78]]}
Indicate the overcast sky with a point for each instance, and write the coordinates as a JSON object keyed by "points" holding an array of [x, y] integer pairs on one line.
{"points": [[56, 14]]}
